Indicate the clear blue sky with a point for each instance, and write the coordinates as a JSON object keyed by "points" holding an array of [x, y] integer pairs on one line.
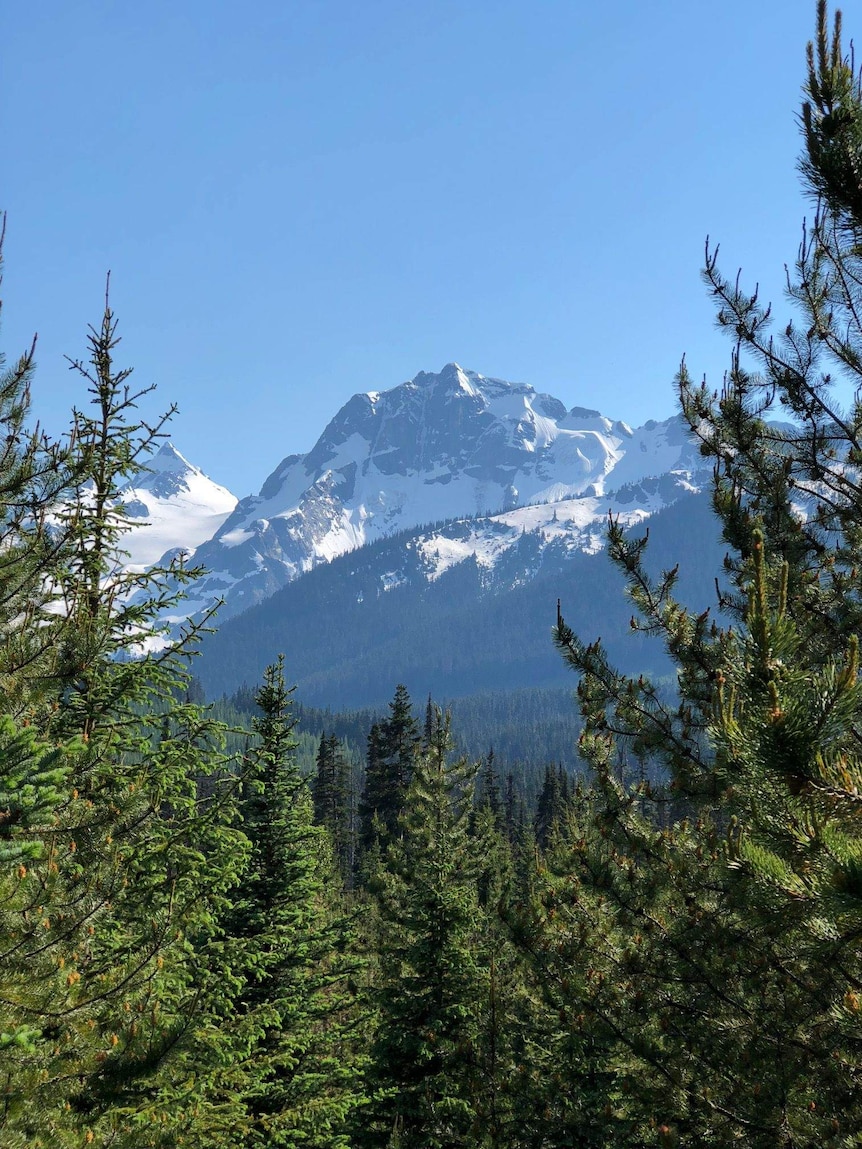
{"points": [[300, 199]]}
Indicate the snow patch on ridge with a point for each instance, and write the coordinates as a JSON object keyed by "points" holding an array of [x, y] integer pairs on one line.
{"points": [[439, 449]]}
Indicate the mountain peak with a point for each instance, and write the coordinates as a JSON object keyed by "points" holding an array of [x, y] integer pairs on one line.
{"points": [[450, 375], [168, 460], [442, 446], [172, 505], [454, 380]]}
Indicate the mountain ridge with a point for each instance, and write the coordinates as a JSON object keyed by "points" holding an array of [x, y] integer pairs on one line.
{"points": [[443, 446]]}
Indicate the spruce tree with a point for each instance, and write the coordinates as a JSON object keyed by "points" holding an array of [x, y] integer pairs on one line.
{"points": [[34, 771], [295, 1013], [393, 747], [550, 806], [113, 922], [489, 794], [570, 1065], [429, 989], [500, 1052], [333, 802], [35, 476]]}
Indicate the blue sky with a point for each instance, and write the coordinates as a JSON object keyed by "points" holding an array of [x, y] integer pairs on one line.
{"points": [[299, 200]]}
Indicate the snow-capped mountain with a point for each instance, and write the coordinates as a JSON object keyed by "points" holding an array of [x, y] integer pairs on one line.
{"points": [[441, 447], [173, 506]]}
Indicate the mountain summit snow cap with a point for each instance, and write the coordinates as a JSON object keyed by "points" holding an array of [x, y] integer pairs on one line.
{"points": [[445, 445], [173, 505], [168, 459]]}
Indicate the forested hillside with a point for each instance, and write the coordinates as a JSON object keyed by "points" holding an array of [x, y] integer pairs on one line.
{"points": [[202, 945], [346, 641]]}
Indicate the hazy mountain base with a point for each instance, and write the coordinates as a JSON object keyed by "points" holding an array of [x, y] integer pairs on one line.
{"points": [[347, 640]]}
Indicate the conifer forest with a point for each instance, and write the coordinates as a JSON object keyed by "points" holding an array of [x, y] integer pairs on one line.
{"points": [[222, 929]]}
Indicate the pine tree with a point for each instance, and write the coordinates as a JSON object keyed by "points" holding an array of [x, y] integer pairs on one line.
{"points": [[700, 930], [764, 473], [393, 747], [333, 802], [295, 1013], [429, 991]]}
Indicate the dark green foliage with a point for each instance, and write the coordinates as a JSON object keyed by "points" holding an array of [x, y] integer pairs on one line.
{"points": [[295, 1014], [271, 787], [34, 475], [393, 747], [489, 789], [832, 123], [333, 801], [705, 938], [664, 954], [567, 1082], [108, 933], [33, 782], [527, 729], [552, 806], [696, 929], [429, 989]]}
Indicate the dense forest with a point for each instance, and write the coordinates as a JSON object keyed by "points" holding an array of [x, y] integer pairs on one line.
{"points": [[203, 944]]}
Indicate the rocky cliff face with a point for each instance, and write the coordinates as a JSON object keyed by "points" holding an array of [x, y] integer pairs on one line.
{"points": [[444, 446]]}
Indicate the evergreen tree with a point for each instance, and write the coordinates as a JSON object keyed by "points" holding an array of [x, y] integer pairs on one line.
{"points": [[35, 475], [295, 1011], [34, 771], [566, 1056], [489, 793], [429, 990], [700, 930], [333, 801], [374, 793], [512, 812], [112, 924], [430, 722], [393, 747], [500, 1050], [550, 807]]}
